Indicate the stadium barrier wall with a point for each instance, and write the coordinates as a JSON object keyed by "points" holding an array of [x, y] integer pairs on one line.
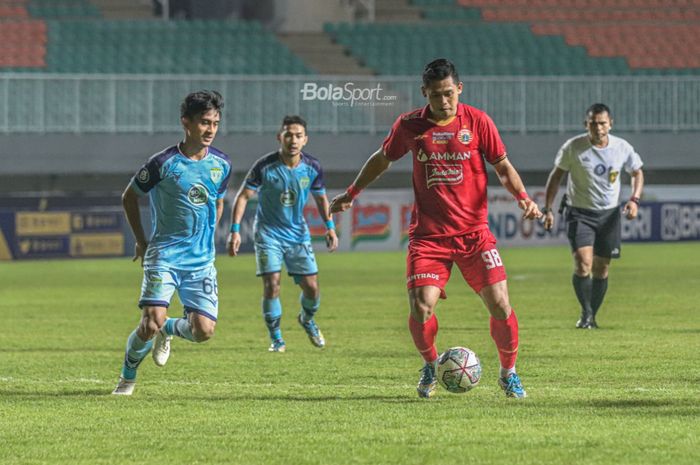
{"points": [[379, 220], [122, 103]]}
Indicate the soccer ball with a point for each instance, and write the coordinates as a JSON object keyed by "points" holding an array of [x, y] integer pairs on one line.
{"points": [[459, 369]]}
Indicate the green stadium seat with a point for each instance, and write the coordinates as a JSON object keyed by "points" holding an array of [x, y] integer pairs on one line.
{"points": [[155, 46]]}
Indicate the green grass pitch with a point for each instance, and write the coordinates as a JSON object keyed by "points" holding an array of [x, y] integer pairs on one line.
{"points": [[628, 393]]}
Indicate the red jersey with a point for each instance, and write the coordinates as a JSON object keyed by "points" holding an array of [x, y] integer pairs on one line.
{"points": [[449, 173]]}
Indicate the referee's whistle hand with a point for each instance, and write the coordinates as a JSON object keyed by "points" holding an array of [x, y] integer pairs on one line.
{"points": [[548, 221], [630, 210]]}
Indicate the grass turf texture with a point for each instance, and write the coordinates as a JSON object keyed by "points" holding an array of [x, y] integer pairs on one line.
{"points": [[627, 393]]}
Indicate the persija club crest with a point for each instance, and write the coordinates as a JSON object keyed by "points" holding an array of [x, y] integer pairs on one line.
{"points": [[464, 136]]}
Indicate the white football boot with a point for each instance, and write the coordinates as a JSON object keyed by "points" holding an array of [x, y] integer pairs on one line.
{"points": [[161, 348], [125, 387]]}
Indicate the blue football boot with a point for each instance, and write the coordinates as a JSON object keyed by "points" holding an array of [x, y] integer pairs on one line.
{"points": [[512, 386]]}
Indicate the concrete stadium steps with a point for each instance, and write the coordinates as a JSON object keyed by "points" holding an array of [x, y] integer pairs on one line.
{"points": [[396, 11], [125, 9], [322, 55]]}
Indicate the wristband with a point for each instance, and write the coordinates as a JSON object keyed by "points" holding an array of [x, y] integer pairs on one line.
{"points": [[236, 227], [353, 191], [546, 210], [634, 199], [330, 225], [522, 196]]}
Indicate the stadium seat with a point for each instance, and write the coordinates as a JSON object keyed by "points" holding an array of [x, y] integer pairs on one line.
{"points": [[483, 48], [610, 29], [154, 46]]}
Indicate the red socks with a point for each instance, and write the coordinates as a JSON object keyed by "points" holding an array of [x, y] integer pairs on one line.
{"points": [[503, 332], [505, 335], [424, 337]]}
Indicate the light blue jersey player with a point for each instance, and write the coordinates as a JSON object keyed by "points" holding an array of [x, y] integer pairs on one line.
{"points": [[186, 184], [283, 181]]}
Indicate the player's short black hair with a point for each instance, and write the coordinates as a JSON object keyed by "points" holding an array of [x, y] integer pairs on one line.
{"points": [[293, 119], [439, 69], [200, 102], [598, 108]]}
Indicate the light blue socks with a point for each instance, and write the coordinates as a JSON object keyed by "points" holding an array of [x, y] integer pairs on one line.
{"points": [[136, 351], [179, 327], [272, 313], [309, 307]]}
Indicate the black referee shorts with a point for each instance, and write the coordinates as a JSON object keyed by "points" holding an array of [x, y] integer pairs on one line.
{"points": [[598, 228]]}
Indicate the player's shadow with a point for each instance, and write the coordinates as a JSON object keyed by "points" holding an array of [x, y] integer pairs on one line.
{"points": [[89, 393], [649, 407], [301, 399], [46, 395]]}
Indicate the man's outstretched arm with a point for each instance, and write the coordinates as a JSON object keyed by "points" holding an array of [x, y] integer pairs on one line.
{"points": [[375, 165]]}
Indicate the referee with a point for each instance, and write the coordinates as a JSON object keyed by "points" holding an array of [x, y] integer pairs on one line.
{"points": [[593, 162]]}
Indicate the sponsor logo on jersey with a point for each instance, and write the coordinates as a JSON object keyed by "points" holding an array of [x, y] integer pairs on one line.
{"points": [[442, 137], [304, 182], [216, 174], [288, 198], [443, 156], [612, 176], [420, 137], [417, 276], [600, 169], [443, 174], [464, 136], [144, 175], [197, 195]]}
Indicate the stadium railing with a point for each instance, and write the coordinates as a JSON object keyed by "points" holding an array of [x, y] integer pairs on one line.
{"points": [[89, 103]]}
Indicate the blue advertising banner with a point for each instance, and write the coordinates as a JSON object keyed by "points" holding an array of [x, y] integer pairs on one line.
{"points": [[64, 234], [664, 221]]}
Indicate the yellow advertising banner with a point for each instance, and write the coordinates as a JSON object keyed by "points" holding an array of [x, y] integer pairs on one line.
{"points": [[5, 253], [96, 245], [42, 223]]}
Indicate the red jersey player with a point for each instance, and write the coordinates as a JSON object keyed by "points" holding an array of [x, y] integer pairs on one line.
{"points": [[450, 144]]}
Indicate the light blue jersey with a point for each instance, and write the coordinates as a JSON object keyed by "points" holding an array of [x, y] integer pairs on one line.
{"points": [[183, 195], [282, 195]]}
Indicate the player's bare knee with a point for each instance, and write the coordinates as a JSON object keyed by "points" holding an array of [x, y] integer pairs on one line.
{"points": [[600, 272], [311, 291], [422, 310], [271, 289], [202, 334], [202, 328], [148, 328], [600, 267], [499, 307], [583, 268]]}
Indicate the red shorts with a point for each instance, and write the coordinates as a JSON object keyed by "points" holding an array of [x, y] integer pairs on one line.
{"points": [[429, 261]]}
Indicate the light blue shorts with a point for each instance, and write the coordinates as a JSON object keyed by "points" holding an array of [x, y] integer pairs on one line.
{"points": [[298, 258], [197, 289]]}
